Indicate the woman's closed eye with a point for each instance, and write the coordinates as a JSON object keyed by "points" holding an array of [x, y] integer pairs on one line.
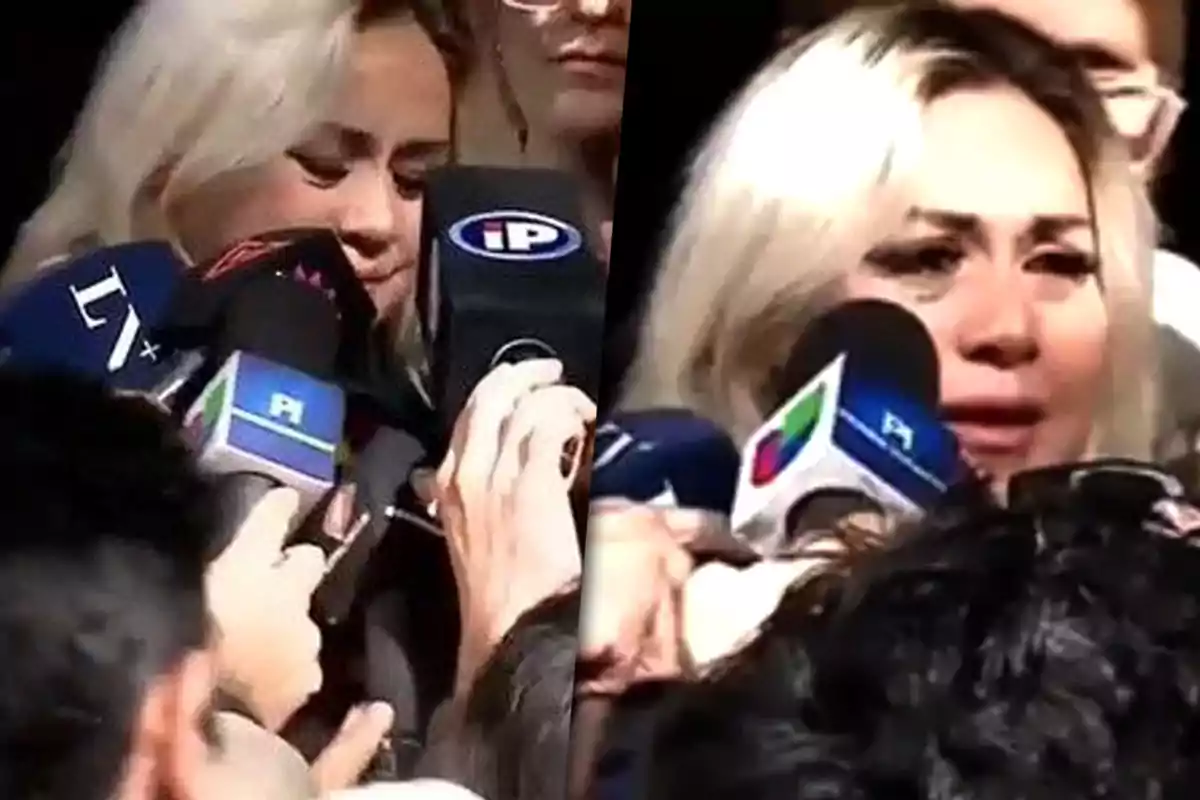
{"points": [[410, 183], [917, 258], [1076, 265], [322, 170]]}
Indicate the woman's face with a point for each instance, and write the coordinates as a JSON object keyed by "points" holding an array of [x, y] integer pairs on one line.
{"points": [[586, 42], [998, 259], [360, 173]]}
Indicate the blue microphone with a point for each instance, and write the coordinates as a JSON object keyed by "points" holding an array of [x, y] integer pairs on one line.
{"points": [[95, 316], [862, 428], [665, 458]]}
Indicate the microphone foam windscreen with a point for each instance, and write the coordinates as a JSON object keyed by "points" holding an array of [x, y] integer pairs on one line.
{"points": [[285, 322], [881, 340]]}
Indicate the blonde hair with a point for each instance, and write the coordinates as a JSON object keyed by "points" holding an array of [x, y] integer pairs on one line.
{"points": [[806, 171], [190, 90]]}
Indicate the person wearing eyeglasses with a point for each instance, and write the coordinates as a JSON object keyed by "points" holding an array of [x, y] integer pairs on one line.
{"points": [[1133, 50], [585, 43]]}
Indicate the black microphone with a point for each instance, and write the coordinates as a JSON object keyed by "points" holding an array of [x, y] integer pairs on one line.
{"points": [[378, 470], [506, 274], [288, 306], [271, 414], [310, 257]]}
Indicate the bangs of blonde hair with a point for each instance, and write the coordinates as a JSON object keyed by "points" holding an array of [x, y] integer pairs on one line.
{"points": [[190, 90], [187, 90]]}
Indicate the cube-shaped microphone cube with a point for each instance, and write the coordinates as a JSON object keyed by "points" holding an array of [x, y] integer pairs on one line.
{"points": [[260, 417]]}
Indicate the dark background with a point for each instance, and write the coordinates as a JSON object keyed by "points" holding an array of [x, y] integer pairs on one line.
{"points": [[683, 66]]}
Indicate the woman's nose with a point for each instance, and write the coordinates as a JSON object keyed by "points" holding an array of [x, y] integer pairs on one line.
{"points": [[595, 9], [371, 219], [998, 325]]}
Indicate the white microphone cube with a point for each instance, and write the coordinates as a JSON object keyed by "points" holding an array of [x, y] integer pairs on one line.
{"points": [[844, 431]]}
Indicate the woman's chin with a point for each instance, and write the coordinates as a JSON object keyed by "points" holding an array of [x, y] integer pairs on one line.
{"points": [[581, 113]]}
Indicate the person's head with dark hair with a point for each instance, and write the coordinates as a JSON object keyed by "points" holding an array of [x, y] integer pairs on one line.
{"points": [[514, 742], [1047, 652], [104, 535]]}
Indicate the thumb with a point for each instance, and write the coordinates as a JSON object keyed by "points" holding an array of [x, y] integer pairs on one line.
{"points": [[424, 484], [343, 762]]}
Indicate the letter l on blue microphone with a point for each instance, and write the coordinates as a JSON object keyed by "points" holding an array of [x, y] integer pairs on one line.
{"points": [[92, 316]]}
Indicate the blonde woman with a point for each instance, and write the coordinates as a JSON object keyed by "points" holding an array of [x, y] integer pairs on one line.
{"points": [[953, 162], [213, 120], [1133, 51], [956, 164]]}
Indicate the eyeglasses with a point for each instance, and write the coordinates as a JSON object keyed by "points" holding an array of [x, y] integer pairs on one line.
{"points": [[1143, 110], [533, 6]]}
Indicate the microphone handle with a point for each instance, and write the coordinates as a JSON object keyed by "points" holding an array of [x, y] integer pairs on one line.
{"points": [[237, 494]]}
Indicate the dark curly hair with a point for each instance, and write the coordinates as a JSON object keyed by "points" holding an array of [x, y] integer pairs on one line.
{"points": [[514, 742], [1051, 651]]}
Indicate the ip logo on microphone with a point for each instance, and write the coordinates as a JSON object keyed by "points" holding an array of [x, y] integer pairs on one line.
{"points": [[523, 349], [515, 236]]}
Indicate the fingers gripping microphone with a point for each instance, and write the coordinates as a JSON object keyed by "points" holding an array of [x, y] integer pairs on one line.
{"points": [[863, 427], [505, 275]]}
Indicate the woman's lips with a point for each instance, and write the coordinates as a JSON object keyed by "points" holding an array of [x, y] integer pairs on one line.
{"points": [[994, 428], [593, 67]]}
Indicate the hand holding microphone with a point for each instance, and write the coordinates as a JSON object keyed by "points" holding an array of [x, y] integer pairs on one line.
{"points": [[259, 592], [502, 496], [637, 562], [652, 615]]}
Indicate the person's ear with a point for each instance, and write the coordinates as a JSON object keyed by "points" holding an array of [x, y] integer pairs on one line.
{"points": [[168, 748], [186, 743]]}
